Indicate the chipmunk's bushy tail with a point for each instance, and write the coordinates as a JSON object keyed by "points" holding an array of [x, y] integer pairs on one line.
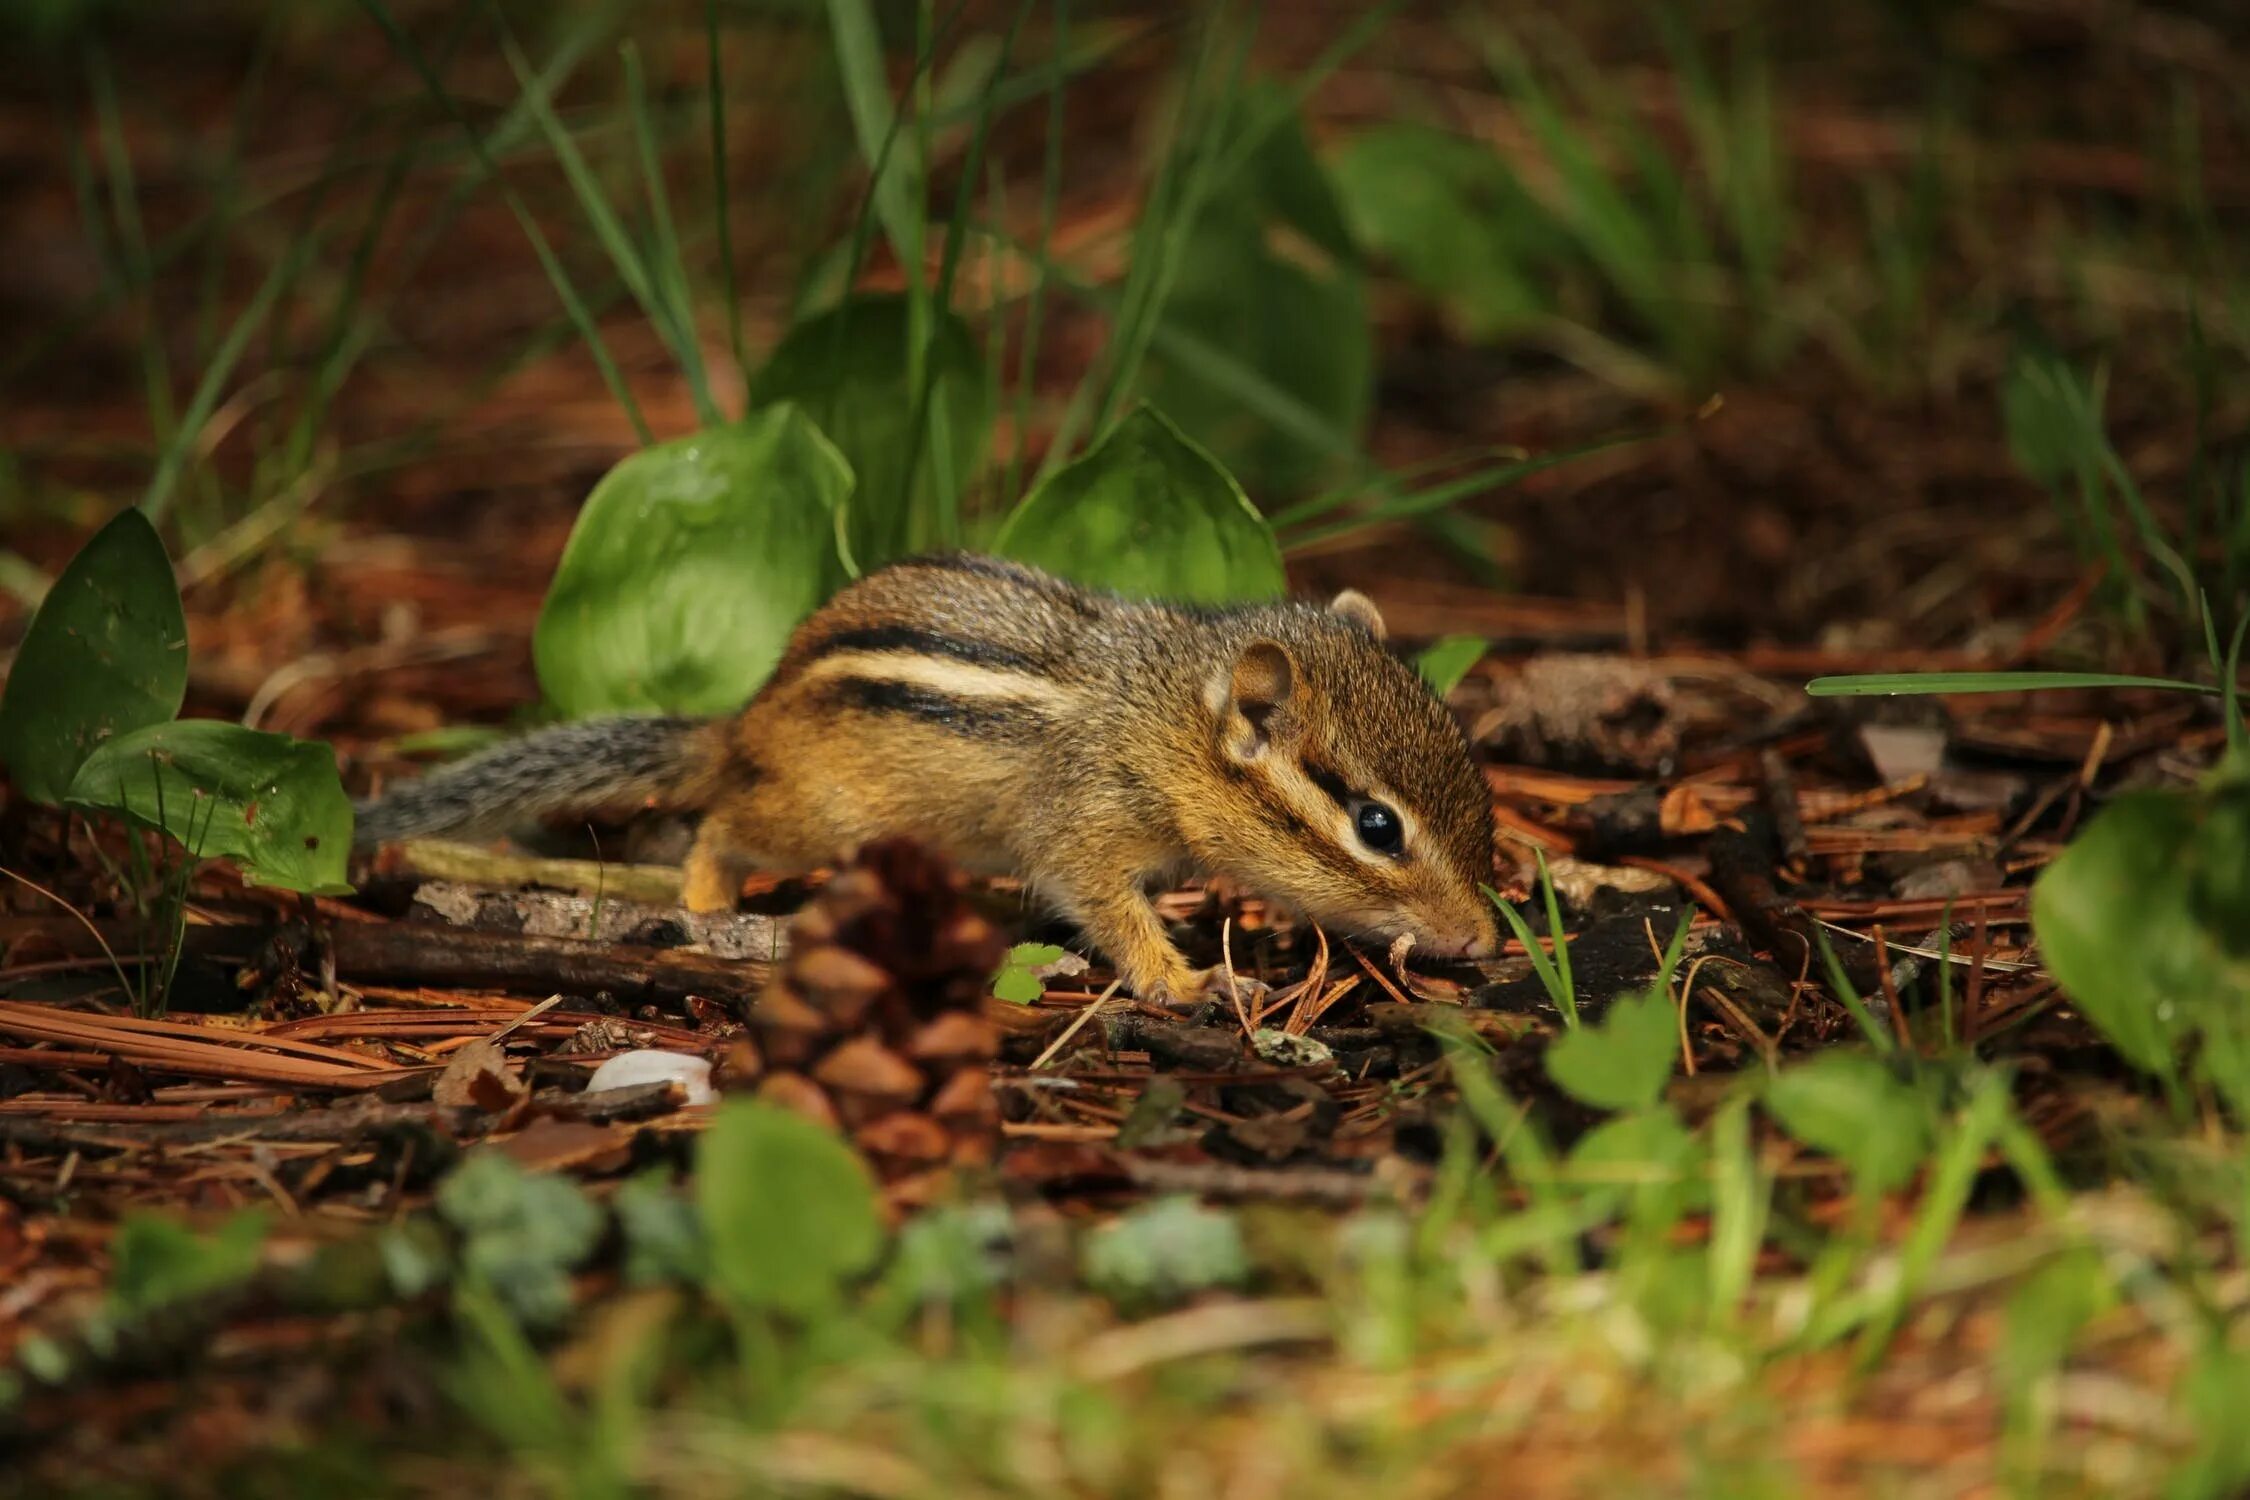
{"points": [[598, 765]]}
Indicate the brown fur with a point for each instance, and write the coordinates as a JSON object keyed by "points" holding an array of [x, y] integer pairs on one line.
{"points": [[1097, 745]]}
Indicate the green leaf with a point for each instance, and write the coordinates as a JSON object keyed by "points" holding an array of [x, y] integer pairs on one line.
{"points": [[1647, 1158], [1447, 661], [158, 1261], [954, 1252], [522, 1232], [1624, 1062], [1265, 283], [2048, 1311], [1165, 1250], [1018, 981], [105, 655], [789, 1210], [270, 803], [1856, 1109], [2145, 919], [689, 566], [1282, 177], [1986, 682], [1454, 219], [849, 369], [1301, 331], [894, 151], [1148, 512], [664, 1239]]}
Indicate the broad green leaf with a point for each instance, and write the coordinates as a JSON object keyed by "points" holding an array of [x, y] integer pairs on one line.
{"points": [[1018, 981], [1283, 177], [1454, 219], [158, 1261], [522, 1232], [106, 654], [1856, 1109], [1267, 275], [1625, 1061], [1302, 330], [2145, 918], [270, 803], [1647, 1157], [850, 370], [1165, 1250], [788, 1209], [1446, 662], [689, 566], [1148, 512]]}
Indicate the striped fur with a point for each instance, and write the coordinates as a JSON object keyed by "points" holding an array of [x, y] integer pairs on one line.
{"points": [[1086, 742]]}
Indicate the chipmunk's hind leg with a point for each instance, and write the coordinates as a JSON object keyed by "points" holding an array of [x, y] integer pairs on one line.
{"points": [[727, 848], [712, 874]]}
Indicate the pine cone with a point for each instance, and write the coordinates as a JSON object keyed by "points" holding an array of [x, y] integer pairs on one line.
{"points": [[875, 1025]]}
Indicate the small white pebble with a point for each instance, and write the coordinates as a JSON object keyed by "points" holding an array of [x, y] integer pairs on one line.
{"points": [[630, 1069]]}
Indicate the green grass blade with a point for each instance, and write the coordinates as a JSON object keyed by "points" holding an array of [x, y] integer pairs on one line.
{"points": [[1201, 144], [1882, 683], [1555, 930], [565, 290], [1626, 243], [897, 177], [1050, 198], [156, 501], [340, 347], [1741, 1200], [946, 523], [225, 190], [2238, 735], [132, 242], [623, 254], [1159, 240], [715, 87], [1542, 964], [1944, 1198], [1302, 85], [1879, 1037], [1396, 506], [972, 165], [1101, 44], [668, 280]]}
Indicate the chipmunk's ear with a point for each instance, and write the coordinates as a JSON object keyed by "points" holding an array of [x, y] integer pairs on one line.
{"points": [[1360, 610], [1258, 693]]}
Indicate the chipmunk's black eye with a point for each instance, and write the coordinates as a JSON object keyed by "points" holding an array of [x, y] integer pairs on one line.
{"points": [[1379, 828]]}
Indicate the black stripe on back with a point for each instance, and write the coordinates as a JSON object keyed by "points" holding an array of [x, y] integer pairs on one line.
{"points": [[918, 642], [979, 717]]}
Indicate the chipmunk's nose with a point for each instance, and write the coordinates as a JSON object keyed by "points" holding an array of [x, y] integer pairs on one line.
{"points": [[1465, 942]]}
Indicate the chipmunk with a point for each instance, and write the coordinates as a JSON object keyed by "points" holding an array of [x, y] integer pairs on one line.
{"points": [[1093, 744]]}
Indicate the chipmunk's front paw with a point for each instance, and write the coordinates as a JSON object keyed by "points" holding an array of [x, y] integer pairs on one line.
{"points": [[1213, 989]]}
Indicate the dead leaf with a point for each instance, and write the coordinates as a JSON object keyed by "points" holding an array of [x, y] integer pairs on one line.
{"points": [[1684, 812], [479, 1076]]}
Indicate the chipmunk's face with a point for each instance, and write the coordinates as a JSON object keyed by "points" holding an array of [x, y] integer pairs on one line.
{"points": [[1350, 793]]}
